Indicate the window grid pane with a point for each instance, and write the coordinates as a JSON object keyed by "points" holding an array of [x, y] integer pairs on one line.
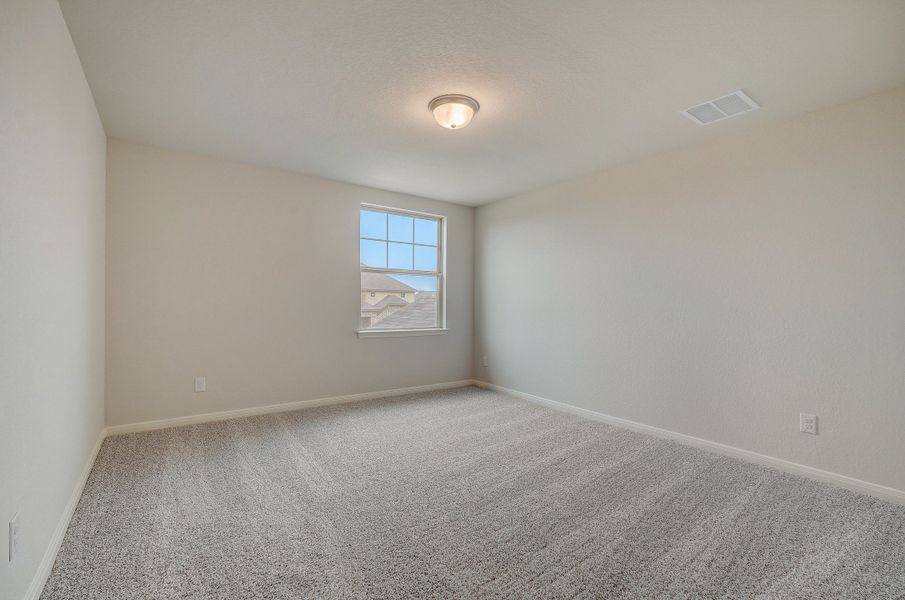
{"points": [[399, 256], [373, 225], [373, 254], [394, 250], [400, 229], [426, 231], [425, 258]]}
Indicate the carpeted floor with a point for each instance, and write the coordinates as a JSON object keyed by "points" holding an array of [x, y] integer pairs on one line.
{"points": [[459, 494]]}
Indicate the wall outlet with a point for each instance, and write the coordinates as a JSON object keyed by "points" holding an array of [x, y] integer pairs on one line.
{"points": [[485, 362], [14, 532], [807, 423], [200, 384]]}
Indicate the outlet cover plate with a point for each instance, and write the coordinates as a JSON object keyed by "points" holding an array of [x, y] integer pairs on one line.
{"points": [[807, 423]]}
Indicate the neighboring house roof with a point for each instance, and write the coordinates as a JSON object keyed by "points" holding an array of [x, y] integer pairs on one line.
{"points": [[422, 312], [379, 306], [378, 282]]}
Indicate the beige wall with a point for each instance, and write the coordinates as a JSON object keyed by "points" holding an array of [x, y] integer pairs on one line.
{"points": [[51, 278], [249, 276], [720, 290]]}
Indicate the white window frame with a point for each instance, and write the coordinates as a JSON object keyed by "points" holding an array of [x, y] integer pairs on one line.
{"points": [[440, 274]]}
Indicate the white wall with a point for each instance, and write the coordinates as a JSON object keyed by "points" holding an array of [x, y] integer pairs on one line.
{"points": [[719, 290], [249, 276], [52, 149]]}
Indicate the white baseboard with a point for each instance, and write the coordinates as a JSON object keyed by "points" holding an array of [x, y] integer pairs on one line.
{"points": [[850, 483], [50, 553], [278, 408], [53, 547]]}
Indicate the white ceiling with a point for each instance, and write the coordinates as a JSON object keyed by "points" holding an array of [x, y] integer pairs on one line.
{"points": [[340, 88]]}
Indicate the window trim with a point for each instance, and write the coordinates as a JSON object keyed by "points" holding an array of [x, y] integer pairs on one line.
{"points": [[440, 274], [376, 333]]}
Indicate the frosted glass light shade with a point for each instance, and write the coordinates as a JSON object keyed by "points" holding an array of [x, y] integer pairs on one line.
{"points": [[453, 111]]}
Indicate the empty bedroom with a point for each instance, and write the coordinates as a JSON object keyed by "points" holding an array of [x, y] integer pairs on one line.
{"points": [[397, 299]]}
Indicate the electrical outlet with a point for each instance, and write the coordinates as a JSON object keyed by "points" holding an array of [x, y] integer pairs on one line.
{"points": [[200, 384], [485, 362], [14, 531], [807, 423]]}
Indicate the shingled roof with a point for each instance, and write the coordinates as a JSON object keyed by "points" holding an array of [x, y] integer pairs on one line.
{"points": [[378, 282], [420, 314]]}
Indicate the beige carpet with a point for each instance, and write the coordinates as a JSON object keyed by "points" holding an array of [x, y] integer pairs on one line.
{"points": [[459, 494]]}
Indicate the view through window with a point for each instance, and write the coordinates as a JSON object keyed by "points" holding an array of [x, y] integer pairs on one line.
{"points": [[401, 259]]}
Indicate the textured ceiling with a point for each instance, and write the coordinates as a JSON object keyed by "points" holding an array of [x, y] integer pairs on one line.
{"points": [[340, 88]]}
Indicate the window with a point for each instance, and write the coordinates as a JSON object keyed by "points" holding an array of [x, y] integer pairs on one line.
{"points": [[402, 280]]}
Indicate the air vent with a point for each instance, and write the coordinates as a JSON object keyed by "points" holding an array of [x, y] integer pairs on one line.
{"points": [[731, 105]]}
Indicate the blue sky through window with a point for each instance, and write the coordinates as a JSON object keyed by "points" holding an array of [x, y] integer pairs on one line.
{"points": [[422, 283], [400, 256], [398, 241], [373, 225], [426, 232], [373, 254], [400, 228], [425, 258]]}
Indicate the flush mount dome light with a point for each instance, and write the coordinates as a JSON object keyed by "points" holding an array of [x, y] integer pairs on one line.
{"points": [[453, 111]]}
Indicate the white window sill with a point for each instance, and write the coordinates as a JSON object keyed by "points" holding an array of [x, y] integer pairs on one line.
{"points": [[371, 333]]}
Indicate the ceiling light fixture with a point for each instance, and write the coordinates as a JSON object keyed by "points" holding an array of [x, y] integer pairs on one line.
{"points": [[453, 111]]}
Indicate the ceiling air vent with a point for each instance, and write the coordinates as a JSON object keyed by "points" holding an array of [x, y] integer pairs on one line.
{"points": [[732, 105]]}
